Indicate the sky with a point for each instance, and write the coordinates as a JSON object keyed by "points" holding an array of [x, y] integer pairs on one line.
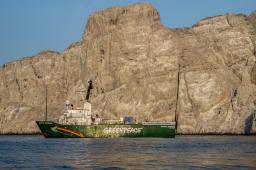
{"points": [[30, 26]]}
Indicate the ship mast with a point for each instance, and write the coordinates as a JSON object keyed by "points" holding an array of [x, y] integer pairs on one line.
{"points": [[46, 107], [177, 99], [89, 90]]}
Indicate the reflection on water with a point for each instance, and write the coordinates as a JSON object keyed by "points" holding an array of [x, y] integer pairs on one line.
{"points": [[183, 152]]}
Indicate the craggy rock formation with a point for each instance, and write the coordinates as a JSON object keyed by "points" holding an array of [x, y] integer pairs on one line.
{"points": [[134, 62]]}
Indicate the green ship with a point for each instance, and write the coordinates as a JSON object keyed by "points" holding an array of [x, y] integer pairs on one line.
{"points": [[56, 130], [81, 123]]}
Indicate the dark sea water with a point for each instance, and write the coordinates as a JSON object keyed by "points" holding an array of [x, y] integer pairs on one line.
{"points": [[183, 152]]}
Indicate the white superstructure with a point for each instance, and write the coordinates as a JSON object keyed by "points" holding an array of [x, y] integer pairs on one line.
{"points": [[77, 116]]}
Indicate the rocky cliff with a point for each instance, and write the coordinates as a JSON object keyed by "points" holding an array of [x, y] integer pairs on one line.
{"points": [[134, 62]]}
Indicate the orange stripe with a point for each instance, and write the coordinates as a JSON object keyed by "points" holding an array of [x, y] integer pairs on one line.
{"points": [[70, 131]]}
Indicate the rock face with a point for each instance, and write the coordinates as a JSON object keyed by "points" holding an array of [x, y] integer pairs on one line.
{"points": [[134, 62]]}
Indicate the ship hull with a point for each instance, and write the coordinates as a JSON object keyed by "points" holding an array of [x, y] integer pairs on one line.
{"points": [[54, 130]]}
